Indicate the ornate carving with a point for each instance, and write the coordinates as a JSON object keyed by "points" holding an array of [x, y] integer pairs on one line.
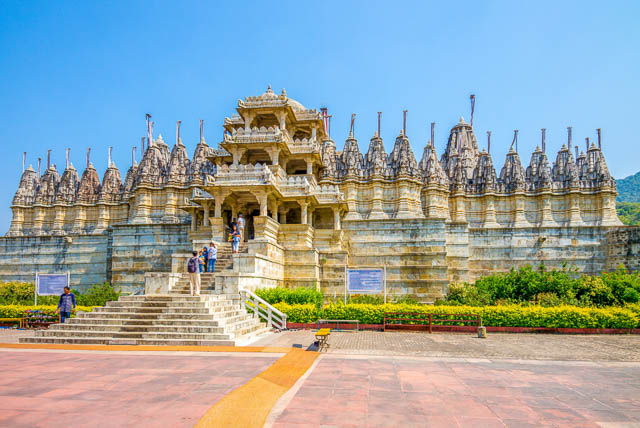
{"points": [[564, 171], [89, 188], [512, 176], [484, 175], [153, 166], [350, 161], [201, 166], [401, 160], [375, 161], [48, 185], [461, 155], [179, 165], [67, 189], [28, 187], [432, 172], [111, 185], [538, 174]]}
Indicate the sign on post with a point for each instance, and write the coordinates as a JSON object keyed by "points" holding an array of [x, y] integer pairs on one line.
{"points": [[50, 284], [361, 281]]}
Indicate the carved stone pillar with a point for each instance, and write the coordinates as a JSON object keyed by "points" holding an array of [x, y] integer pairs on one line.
{"points": [[310, 216], [574, 209], [57, 228], [218, 206], [103, 217], [520, 220], [205, 219], [194, 220], [282, 217], [376, 206], [303, 212], [262, 200], [490, 212], [336, 218], [309, 166], [403, 200]]}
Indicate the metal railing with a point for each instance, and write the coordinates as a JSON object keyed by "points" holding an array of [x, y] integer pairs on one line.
{"points": [[261, 308]]}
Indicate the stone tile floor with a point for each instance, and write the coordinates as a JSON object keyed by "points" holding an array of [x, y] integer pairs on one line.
{"points": [[358, 391], [496, 345], [94, 389]]}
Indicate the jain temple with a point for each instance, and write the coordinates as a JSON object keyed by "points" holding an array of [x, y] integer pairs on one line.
{"points": [[312, 210]]}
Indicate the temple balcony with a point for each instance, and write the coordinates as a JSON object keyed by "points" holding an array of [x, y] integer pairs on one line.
{"points": [[272, 134], [241, 175]]}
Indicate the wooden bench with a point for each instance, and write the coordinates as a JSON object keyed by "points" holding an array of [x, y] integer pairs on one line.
{"points": [[322, 337], [18, 320]]}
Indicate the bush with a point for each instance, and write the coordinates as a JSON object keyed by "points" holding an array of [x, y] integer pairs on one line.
{"points": [[22, 293], [498, 316], [295, 296], [16, 311], [527, 285]]}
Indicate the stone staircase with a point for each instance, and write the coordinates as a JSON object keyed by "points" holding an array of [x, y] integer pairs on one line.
{"points": [[171, 319]]}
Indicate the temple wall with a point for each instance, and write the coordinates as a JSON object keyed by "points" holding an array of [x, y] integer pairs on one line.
{"points": [[141, 248], [85, 257], [622, 246], [500, 249]]}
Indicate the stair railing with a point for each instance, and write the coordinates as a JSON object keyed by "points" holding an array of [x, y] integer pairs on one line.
{"points": [[262, 309]]}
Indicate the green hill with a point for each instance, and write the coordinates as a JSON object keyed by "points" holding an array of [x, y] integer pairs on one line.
{"points": [[629, 213], [629, 188]]}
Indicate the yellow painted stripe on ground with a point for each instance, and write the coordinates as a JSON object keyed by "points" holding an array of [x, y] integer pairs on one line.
{"points": [[249, 405], [267, 349]]}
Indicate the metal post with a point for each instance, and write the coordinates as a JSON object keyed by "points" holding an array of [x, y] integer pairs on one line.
{"points": [[353, 119], [489, 142], [201, 129], [599, 138], [544, 140], [384, 281], [473, 107], [345, 285], [433, 128], [24, 159], [379, 114]]}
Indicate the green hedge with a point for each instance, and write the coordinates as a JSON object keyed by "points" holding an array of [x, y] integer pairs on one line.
{"points": [[292, 296], [17, 311], [498, 316], [21, 293]]}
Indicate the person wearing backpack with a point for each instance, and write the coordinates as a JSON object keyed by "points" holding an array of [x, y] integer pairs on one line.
{"points": [[193, 267]]}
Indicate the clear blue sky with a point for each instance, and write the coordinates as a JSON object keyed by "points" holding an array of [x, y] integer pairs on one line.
{"points": [[83, 74]]}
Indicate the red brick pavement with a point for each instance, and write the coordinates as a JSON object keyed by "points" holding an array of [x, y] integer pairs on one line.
{"points": [[396, 392], [70, 389]]}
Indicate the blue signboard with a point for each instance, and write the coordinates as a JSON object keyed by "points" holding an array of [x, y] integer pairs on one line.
{"points": [[52, 284], [365, 280]]}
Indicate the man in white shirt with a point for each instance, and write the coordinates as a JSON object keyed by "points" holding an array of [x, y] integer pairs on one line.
{"points": [[241, 224]]}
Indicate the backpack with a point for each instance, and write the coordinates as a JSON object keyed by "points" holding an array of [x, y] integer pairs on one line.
{"points": [[192, 266]]}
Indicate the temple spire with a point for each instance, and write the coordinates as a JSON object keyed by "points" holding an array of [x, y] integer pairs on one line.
{"points": [[473, 107]]}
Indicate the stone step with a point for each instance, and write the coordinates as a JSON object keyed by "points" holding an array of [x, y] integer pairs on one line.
{"points": [[119, 341]]}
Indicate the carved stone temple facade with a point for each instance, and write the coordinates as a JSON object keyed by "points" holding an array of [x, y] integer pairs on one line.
{"points": [[312, 210]]}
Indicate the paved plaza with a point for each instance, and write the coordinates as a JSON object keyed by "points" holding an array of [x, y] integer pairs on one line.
{"points": [[368, 379]]}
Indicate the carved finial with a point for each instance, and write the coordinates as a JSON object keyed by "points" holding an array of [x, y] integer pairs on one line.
{"points": [[149, 130], [24, 159], [109, 162], [178, 132], [599, 138], [201, 129], [67, 156], [269, 89], [576, 152], [353, 119], [39, 170], [473, 106], [433, 128], [379, 115], [48, 158], [489, 142], [284, 93], [404, 122], [515, 140], [544, 140]]}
